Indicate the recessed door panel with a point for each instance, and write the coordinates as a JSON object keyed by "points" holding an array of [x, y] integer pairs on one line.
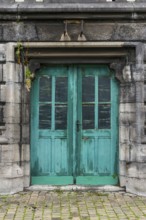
{"points": [[74, 126]]}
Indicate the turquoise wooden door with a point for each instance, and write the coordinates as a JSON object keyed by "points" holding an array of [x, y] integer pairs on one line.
{"points": [[74, 115]]}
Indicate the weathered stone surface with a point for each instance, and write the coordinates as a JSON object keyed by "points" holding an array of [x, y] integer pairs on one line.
{"points": [[17, 184], [127, 118], [12, 113], [26, 152], [50, 32], [124, 151], [5, 185], [26, 97], [13, 93], [122, 169], [1, 73], [127, 93], [122, 180], [132, 170], [25, 134], [127, 107], [124, 134], [19, 32], [136, 186], [93, 31], [141, 153], [26, 168], [13, 72], [26, 114], [10, 153], [133, 31], [26, 181], [2, 93], [96, 31], [1, 33], [13, 133]]}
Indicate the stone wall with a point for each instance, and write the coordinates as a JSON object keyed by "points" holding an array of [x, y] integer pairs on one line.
{"points": [[52, 31], [15, 103], [14, 128]]}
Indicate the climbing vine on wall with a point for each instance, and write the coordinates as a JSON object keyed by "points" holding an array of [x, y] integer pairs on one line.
{"points": [[22, 58]]}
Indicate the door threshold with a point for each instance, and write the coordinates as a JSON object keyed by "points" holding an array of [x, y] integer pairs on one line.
{"points": [[107, 188]]}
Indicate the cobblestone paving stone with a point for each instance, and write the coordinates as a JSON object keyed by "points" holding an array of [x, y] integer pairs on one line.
{"points": [[75, 205]]}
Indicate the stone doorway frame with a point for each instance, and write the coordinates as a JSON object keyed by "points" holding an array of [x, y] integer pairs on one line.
{"points": [[131, 108]]}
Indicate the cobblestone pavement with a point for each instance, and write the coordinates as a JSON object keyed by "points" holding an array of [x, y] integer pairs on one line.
{"points": [[76, 205]]}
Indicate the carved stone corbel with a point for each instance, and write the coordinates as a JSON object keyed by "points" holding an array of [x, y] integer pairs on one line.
{"points": [[118, 69], [34, 66]]}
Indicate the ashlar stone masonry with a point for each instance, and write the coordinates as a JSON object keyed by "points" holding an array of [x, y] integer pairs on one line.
{"points": [[118, 40]]}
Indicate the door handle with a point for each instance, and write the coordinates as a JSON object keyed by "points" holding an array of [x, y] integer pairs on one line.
{"points": [[78, 125]]}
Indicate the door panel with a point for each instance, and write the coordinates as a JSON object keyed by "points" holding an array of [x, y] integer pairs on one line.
{"points": [[96, 138], [49, 128], [74, 126]]}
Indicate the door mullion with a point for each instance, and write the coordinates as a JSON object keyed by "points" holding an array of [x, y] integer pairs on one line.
{"points": [[74, 75], [96, 102], [53, 104], [78, 118]]}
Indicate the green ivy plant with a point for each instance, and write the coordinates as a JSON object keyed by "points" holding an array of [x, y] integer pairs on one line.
{"points": [[28, 75]]}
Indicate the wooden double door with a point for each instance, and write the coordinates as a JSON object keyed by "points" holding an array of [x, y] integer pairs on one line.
{"points": [[74, 126]]}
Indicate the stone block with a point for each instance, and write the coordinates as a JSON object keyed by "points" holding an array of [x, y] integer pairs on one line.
{"points": [[2, 47], [4, 73], [16, 31], [25, 134], [50, 32], [17, 185], [6, 170], [26, 181], [26, 97], [12, 113], [122, 168], [132, 169], [124, 152], [13, 133], [142, 170], [129, 31], [2, 121], [1, 72], [26, 168], [14, 72], [17, 171], [132, 133], [127, 93], [26, 114], [127, 108], [26, 152], [2, 93], [123, 134], [10, 153], [96, 31], [11, 185], [10, 54], [127, 134], [10, 170], [7, 154], [13, 92], [122, 180], [1, 35], [136, 186], [5, 185], [141, 153], [16, 152], [127, 118]]}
